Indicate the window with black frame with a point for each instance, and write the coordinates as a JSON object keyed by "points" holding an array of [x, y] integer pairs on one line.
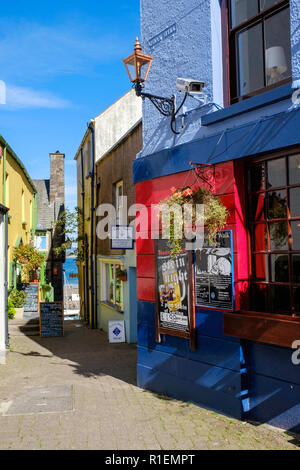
{"points": [[274, 225], [260, 47]]}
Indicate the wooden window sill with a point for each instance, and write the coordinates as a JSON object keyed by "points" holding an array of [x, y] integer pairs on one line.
{"points": [[274, 329]]}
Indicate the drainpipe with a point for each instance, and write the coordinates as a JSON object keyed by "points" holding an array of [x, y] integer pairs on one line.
{"points": [[83, 226], [92, 226]]}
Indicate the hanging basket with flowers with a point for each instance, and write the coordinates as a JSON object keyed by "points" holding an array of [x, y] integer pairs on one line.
{"points": [[214, 214]]}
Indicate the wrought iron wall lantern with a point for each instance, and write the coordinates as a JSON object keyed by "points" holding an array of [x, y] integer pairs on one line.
{"points": [[138, 65]]}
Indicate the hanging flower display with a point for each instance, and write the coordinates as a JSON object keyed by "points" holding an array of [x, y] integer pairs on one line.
{"points": [[214, 214]]}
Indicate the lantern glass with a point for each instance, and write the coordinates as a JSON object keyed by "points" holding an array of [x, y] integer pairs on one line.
{"points": [[138, 64]]}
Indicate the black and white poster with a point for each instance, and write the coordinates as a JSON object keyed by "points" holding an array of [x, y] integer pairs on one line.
{"points": [[214, 273], [172, 284]]}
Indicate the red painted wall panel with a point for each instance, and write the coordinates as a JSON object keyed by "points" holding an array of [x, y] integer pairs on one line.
{"points": [[145, 289], [145, 266], [229, 184]]}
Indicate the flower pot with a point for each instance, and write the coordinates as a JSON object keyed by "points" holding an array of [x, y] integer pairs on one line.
{"points": [[122, 278], [19, 313]]}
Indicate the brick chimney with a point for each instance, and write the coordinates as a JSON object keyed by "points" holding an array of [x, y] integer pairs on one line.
{"points": [[57, 178]]}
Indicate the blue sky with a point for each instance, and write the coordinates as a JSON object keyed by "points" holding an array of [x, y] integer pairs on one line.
{"points": [[61, 62]]}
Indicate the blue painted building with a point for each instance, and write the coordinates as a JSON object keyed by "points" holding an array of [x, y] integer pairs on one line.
{"points": [[248, 54]]}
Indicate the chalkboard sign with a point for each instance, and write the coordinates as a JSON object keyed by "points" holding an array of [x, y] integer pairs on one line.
{"points": [[174, 292], [32, 297], [214, 286], [51, 319]]}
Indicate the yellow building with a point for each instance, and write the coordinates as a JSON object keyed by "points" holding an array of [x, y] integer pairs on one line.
{"points": [[18, 193], [86, 242]]}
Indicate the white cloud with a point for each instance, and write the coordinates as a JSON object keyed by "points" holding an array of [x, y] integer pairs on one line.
{"points": [[20, 97]]}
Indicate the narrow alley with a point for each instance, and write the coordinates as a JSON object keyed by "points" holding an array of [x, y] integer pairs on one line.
{"points": [[79, 392]]}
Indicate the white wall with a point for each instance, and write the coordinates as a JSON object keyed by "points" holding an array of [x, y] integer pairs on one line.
{"points": [[116, 122]]}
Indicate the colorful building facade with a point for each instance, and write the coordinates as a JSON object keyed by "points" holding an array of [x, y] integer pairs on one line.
{"points": [[18, 193], [244, 143], [113, 140], [50, 207]]}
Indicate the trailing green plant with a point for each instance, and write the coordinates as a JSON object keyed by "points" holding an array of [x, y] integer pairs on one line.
{"points": [[17, 298], [30, 260], [214, 215], [11, 310], [70, 226]]}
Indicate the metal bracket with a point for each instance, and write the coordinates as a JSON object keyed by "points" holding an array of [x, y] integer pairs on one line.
{"points": [[166, 106]]}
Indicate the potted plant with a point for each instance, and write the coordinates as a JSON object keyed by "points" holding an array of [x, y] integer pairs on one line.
{"points": [[31, 260], [11, 310], [121, 274], [17, 299], [214, 215]]}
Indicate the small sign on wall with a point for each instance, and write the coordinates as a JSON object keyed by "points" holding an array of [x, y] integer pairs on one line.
{"points": [[116, 331], [121, 237]]}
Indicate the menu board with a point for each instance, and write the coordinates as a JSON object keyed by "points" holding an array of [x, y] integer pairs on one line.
{"points": [[214, 273], [174, 296], [32, 297], [51, 319]]}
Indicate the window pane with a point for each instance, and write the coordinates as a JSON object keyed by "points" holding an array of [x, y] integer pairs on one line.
{"points": [[242, 10], [109, 283], [118, 289], [260, 267], [296, 268], [257, 178], [295, 202], [279, 236], [295, 226], [276, 173], [259, 238], [278, 47], [279, 268], [280, 299], [258, 207], [264, 4], [277, 204], [250, 57], [297, 299], [259, 298], [294, 169]]}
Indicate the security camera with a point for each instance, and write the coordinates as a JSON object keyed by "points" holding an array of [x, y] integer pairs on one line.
{"points": [[189, 85]]}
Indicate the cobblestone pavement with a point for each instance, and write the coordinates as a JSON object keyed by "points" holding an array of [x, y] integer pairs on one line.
{"points": [[109, 411]]}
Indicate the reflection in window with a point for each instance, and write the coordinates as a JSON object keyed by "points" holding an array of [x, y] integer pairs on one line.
{"points": [[277, 204], [260, 46], [112, 291], [279, 268], [278, 47], [294, 169], [295, 226], [275, 242], [294, 202], [278, 236], [242, 10], [250, 60], [276, 173]]}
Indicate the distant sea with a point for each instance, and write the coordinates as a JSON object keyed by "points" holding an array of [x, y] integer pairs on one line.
{"points": [[70, 267]]}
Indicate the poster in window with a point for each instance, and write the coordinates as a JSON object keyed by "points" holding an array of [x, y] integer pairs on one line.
{"points": [[174, 292], [214, 273]]}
